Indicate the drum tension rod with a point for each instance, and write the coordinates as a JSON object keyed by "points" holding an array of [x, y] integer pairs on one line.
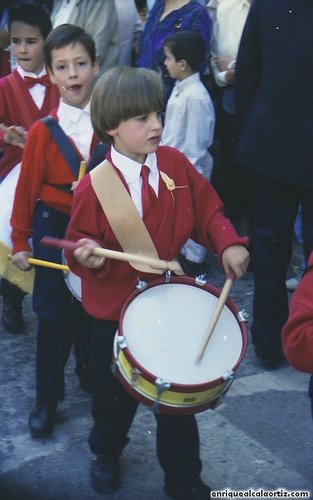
{"points": [[168, 275], [161, 386]]}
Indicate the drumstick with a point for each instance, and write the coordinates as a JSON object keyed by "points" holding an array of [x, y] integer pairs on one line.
{"points": [[82, 170], [46, 263], [114, 254], [217, 311], [19, 135]]}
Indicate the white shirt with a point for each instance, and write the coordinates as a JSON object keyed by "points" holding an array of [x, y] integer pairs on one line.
{"points": [[129, 28], [63, 14], [38, 91], [229, 17], [189, 123], [76, 123], [131, 169]]}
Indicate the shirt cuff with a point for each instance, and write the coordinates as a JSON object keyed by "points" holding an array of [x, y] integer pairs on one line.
{"points": [[221, 78]]}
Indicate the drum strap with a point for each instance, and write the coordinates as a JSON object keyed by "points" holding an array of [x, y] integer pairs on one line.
{"points": [[70, 153], [130, 231]]}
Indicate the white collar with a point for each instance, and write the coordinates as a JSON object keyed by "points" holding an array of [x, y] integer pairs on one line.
{"points": [[180, 85], [23, 73], [72, 113], [130, 168]]}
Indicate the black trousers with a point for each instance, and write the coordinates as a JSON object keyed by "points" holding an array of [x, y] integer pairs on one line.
{"points": [[232, 181], [61, 319], [114, 409], [276, 209], [55, 339], [11, 293]]}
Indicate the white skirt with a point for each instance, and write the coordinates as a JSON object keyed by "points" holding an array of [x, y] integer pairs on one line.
{"points": [[7, 270]]}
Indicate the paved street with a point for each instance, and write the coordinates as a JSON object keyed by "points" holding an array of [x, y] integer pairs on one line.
{"points": [[259, 437]]}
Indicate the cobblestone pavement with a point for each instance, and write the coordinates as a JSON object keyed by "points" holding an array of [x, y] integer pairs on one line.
{"points": [[259, 437]]}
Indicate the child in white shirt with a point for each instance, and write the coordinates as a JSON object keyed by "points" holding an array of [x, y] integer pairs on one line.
{"points": [[189, 118]]}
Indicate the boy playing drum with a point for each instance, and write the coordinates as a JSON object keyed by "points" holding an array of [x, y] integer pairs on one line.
{"points": [[126, 106]]}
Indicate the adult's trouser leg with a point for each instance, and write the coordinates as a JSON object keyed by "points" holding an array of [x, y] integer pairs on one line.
{"points": [[275, 213]]}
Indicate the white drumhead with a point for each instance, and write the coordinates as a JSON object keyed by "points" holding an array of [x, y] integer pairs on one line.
{"points": [[73, 282], [165, 327]]}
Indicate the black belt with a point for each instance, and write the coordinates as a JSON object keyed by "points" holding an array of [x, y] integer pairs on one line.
{"points": [[66, 188]]}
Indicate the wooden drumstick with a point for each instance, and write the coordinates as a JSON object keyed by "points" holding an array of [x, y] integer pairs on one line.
{"points": [[46, 263], [114, 254], [82, 170], [217, 311]]}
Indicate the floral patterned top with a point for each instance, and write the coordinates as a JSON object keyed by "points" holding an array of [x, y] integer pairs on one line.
{"points": [[192, 16]]}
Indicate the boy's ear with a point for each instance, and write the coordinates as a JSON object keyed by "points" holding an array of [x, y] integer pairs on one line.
{"points": [[112, 132], [51, 75], [183, 64], [96, 67]]}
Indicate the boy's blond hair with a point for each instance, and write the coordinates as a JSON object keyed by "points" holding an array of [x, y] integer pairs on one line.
{"points": [[122, 93]]}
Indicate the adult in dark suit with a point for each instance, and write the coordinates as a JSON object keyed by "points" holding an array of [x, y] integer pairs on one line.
{"points": [[274, 109]]}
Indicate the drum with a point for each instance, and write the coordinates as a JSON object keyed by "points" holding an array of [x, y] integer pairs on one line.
{"points": [[161, 331], [73, 282]]}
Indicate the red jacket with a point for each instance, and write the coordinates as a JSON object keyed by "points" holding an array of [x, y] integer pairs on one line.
{"points": [[43, 168], [11, 114], [297, 334], [196, 211]]}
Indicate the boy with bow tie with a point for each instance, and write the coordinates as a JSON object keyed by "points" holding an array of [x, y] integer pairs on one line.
{"points": [[25, 96], [55, 147]]}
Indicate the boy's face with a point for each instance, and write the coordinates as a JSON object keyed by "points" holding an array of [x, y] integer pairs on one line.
{"points": [[173, 67], [27, 46], [73, 72], [138, 136]]}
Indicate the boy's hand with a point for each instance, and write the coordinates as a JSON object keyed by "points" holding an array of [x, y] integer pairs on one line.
{"points": [[230, 76], [83, 254], [222, 62], [74, 186], [236, 258], [16, 136], [20, 260]]}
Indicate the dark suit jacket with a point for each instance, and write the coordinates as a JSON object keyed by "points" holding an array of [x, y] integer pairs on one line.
{"points": [[274, 91]]}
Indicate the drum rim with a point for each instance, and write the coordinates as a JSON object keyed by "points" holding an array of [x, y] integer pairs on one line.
{"points": [[171, 409], [176, 387]]}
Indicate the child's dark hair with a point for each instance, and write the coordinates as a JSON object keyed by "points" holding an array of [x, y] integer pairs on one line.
{"points": [[33, 15], [187, 45], [122, 93], [68, 34]]}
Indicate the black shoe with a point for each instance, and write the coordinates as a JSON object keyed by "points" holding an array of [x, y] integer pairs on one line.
{"points": [[269, 359], [105, 473], [179, 491], [12, 318], [42, 418]]}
